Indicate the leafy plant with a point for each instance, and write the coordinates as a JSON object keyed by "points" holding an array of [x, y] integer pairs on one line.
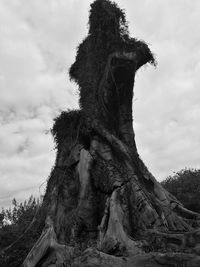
{"points": [[21, 226], [108, 33], [185, 186]]}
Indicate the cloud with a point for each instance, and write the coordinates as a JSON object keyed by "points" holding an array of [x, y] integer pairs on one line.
{"points": [[34, 88], [167, 111], [38, 44]]}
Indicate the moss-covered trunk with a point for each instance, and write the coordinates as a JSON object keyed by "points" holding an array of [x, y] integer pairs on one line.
{"points": [[104, 198], [102, 205]]}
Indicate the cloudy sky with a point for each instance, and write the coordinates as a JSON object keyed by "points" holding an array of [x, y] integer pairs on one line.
{"points": [[38, 40]]}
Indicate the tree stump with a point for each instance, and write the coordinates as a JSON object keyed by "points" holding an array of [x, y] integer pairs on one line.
{"points": [[103, 207]]}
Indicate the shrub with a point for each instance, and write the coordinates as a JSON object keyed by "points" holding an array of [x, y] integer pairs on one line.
{"points": [[22, 226], [185, 186]]}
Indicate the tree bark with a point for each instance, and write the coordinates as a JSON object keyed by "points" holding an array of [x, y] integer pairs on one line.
{"points": [[119, 211], [103, 206]]}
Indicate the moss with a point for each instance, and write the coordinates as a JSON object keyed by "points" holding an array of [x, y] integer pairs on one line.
{"points": [[65, 126], [108, 33]]}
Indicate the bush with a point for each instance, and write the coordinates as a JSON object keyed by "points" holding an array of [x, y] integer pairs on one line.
{"points": [[185, 186], [20, 228]]}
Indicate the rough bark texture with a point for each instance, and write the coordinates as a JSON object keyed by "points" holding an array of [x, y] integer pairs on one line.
{"points": [[103, 206]]}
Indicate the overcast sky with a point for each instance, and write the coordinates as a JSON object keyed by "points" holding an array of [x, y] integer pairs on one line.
{"points": [[38, 40]]}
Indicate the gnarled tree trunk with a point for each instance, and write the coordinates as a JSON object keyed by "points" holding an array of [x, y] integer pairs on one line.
{"points": [[103, 206]]}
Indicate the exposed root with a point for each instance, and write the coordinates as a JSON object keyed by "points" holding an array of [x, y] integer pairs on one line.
{"points": [[112, 237], [46, 242]]}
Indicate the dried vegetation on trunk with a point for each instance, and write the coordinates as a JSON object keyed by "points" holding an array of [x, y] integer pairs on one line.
{"points": [[103, 207]]}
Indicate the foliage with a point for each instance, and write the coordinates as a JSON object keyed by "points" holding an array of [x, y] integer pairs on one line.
{"points": [[69, 128], [22, 225], [185, 186], [65, 126], [107, 16], [108, 33]]}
